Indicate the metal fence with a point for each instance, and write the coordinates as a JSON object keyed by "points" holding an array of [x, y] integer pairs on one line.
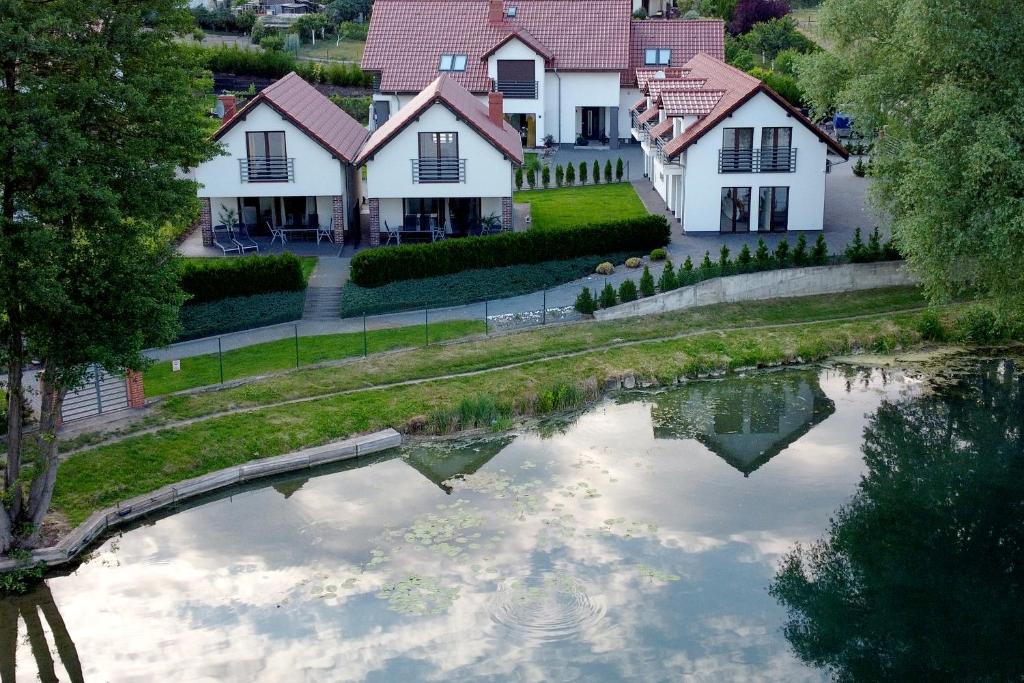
{"points": [[100, 393]]}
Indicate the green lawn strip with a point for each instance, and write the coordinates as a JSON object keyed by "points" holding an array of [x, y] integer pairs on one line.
{"points": [[523, 346], [260, 359], [100, 477], [569, 206], [308, 264], [469, 286], [343, 51]]}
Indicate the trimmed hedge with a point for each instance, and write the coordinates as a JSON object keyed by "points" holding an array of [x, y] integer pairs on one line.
{"points": [[273, 64], [375, 267], [240, 313], [213, 279]]}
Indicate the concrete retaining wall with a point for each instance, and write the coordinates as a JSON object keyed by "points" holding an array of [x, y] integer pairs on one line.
{"points": [[148, 503], [770, 284]]}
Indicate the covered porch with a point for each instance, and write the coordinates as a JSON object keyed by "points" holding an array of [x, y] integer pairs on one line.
{"points": [[428, 219], [237, 225]]}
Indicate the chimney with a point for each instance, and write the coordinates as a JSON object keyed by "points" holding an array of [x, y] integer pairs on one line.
{"points": [[495, 13], [495, 108], [227, 103]]}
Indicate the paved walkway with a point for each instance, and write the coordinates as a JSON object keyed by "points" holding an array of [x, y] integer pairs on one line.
{"points": [[632, 158], [323, 293]]}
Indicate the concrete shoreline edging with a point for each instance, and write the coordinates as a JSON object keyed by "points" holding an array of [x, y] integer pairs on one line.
{"points": [[768, 284], [129, 510]]}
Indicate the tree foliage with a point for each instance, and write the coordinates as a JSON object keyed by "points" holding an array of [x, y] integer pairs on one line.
{"points": [[940, 81], [751, 12], [97, 114]]}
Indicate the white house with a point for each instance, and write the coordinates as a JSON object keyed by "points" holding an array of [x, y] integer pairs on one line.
{"points": [[566, 68], [728, 154], [441, 165], [287, 166]]}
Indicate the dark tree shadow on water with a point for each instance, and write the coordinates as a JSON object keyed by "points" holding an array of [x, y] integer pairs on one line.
{"points": [[28, 608], [921, 575]]}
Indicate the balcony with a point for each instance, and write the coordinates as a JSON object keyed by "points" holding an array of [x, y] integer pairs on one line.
{"points": [[764, 160], [267, 170], [517, 90], [443, 170]]}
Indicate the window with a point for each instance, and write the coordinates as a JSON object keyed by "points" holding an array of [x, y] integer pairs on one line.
{"points": [[773, 209], [737, 155], [776, 137], [452, 62], [735, 209], [265, 144], [439, 159], [267, 157], [439, 145], [775, 150], [420, 214], [654, 56]]}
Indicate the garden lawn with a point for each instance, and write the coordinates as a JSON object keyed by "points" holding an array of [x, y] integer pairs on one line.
{"points": [[260, 359], [343, 51], [569, 206]]}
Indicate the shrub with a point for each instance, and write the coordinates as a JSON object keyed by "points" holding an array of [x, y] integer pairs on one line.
{"points": [[531, 177], [583, 173], [519, 177], [724, 264], [605, 268], [762, 259], [608, 170], [685, 274], [275, 64], [930, 327], [585, 302], [860, 169], [873, 252], [706, 265], [667, 282], [240, 313], [634, 262], [608, 298], [545, 175], [819, 254], [570, 174], [372, 267], [560, 175], [358, 107], [618, 170], [978, 324], [659, 254], [646, 283], [220, 278], [627, 291], [890, 252], [597, 172], [782, 254], [744, 259], [855, 252], [748, 13], [353, 30], [800, 252]]}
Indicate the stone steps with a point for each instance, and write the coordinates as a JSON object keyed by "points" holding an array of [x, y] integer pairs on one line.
{"points": [[322, 303]]}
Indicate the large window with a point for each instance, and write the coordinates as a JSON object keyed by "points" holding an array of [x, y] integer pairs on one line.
{"points": [[452, 62], [421, 214], [773, 209], [737, 154], [439, 158], [655, 56], [775, 149], [735, 209], [267, 157]]}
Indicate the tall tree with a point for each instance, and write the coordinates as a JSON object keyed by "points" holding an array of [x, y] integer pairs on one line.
{"points": [[98, 112], [940, 81]]}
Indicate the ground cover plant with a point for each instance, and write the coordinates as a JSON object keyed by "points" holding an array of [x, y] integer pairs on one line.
{"points": [[577, 205]]}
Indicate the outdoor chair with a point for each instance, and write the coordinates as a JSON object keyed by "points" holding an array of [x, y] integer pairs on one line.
{"points": [[324, 232], [437, 231], [394, 237], [276, 232], [244, 240], [222, 240]]}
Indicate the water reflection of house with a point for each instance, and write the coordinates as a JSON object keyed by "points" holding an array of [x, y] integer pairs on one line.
{"points": [[440, 465], [747, 421]]}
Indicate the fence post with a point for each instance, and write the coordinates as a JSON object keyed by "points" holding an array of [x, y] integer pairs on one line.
{"points": [[99, 394], [296, 345], [220, 359], [544, 312], [426, 327], [487, 326], [364, 335]]}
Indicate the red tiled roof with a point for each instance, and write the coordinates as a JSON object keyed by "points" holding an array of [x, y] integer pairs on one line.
{"points": [[314, 114], [644, 75], [407, 37], [527, 39], [737, 88], [640, 105], [662, 128], [648, 115], [690, 102], [463, 104], [656, 86], [685, 38]]}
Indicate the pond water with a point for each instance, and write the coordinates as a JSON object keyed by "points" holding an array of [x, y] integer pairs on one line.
{"points": [[651, 538]]}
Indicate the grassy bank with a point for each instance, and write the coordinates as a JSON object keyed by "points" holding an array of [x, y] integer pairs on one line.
{"points": [[278, 355], [568, 206], [104, 475]]}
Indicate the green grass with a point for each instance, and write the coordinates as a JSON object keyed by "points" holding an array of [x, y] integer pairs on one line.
{"points": [[260, 359], [308, 264], [345, 51], [580, 205], [468, 286]]}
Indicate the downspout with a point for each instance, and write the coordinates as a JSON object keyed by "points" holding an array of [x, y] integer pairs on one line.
{"points": [[555, 72]]}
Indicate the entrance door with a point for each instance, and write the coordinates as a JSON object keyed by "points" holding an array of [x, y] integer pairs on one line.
{"points": [[464, 212], [591, 123]]}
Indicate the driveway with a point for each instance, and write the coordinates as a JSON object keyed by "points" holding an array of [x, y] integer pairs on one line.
{"points": [[632, 158]]}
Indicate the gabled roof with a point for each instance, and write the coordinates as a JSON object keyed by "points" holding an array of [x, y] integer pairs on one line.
{"points": [[656, 86], [690, 102], [648, 115], [306, 108], [448, 92], [737, 88], [685, 38], [524, 36], [644, 75], [407, 37], [662, 128]]}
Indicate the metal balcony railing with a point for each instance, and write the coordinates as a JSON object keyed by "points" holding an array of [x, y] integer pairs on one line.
{"points": [[443, 170], [267, 170], [517, 90], [764, 160]]}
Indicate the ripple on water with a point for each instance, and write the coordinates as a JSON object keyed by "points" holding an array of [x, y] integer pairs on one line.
{"points": [[546, 608]]}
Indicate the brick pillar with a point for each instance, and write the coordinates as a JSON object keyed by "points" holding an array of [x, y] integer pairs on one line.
{"points": [[206, 221], [338, 218], [506, 213], [136, 392], [373, 239]]}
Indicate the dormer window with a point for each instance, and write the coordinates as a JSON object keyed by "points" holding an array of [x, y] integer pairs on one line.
{"points": [[654, 56], [510, 12], [452, 62]]}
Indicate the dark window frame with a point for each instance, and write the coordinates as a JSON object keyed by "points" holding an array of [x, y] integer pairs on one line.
{"points": [[734, 221], [266, 142], [662, 56], [453, 61], [437, 144], [773, 212]]}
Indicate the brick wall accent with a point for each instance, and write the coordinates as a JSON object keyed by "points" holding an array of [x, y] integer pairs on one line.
{"points": [[136, 391], [206, 221], [373, 239], [338, 217], [506, 213]]}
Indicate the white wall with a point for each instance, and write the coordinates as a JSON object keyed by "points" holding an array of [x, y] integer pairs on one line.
{"points": [[317, 172], [389, 172], [578, 89], [515, 49], [627, 98], [704, 183]]}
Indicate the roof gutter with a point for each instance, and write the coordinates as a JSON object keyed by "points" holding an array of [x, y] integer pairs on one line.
{"points": [[555, 72]]}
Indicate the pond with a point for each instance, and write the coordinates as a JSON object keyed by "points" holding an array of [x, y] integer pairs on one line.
{"points": [[791, 525]]}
